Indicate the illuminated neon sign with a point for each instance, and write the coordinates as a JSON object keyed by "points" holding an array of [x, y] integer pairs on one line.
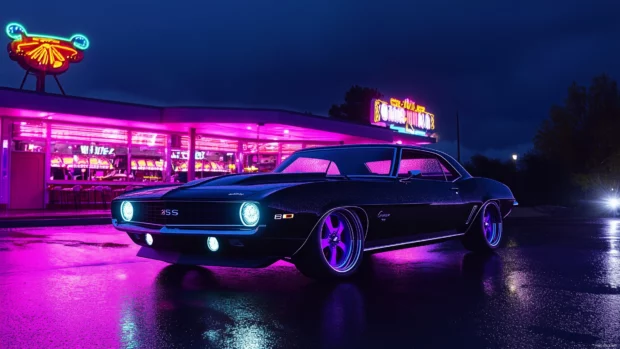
{"points": [[184, 155], [96, 150], [403, 116], [43, 53]]}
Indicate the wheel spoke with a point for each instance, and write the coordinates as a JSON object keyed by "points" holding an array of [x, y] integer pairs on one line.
{"points": [[329, 224], [339, 229], [332, 256], [342, 246]]}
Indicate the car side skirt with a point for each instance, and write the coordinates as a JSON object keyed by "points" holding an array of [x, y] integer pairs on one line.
{"points": [[420, 240]]}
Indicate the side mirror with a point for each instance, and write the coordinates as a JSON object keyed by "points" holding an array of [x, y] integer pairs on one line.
{"points": [[415, 173]]}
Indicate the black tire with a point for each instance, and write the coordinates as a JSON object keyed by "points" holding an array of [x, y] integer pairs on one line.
{"points": [[476, 237], [312, 261]]}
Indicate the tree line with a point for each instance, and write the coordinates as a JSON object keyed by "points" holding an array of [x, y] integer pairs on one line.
{"points": [[575, 154]]}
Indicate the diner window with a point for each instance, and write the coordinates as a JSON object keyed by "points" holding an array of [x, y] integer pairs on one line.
{"points": [[148, 153], [260, 157], [28, 136], [288, 149], [318, 145], [88, 153]]}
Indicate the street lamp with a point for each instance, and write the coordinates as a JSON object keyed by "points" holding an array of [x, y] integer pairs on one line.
{"points": [[514, 157]]}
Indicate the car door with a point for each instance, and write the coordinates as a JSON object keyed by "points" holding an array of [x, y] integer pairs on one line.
{"points": [[433, 200]]}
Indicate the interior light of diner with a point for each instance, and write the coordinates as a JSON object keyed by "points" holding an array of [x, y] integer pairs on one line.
{"points": [[28, 136], [28, 130], [89, 134]]}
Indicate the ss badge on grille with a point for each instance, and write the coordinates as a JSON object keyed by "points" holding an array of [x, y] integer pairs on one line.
{"points": [[168, 212]]}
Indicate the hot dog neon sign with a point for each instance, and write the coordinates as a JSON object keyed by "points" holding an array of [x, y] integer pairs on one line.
{"points": [[44, 53]]}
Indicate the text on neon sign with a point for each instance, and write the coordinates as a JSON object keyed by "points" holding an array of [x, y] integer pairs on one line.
{"points": [[404, 112], [177, 154], [95, 150]]}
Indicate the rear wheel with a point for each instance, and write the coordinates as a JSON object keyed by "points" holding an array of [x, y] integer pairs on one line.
{"points": [[486, 231], [335, 248]]}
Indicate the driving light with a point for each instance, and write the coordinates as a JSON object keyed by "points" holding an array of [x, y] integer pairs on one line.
{"points": [[249, 214], [149, 239], [613, 203], [212, 244], [126, 211]]}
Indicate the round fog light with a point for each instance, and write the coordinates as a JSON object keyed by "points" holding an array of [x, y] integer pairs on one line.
{"points": [[149, 239], [213, 244]]}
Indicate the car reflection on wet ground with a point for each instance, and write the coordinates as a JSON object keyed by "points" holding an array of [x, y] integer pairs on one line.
{"points": [[553, 284]]}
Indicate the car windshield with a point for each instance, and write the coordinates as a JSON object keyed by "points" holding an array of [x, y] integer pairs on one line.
{"points": [[347, 161]]}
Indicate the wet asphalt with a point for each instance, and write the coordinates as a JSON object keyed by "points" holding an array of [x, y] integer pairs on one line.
{"points": [[553, 284]]}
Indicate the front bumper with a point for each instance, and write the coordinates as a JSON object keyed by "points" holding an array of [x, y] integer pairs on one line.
{"points": [[237, 248]]}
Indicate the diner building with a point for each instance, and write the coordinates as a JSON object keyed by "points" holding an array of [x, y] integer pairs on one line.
{"points": [[60, 151]]}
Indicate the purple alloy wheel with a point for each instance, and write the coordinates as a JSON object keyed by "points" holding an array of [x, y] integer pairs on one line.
{"points": [[338, 242], [491, 226]]}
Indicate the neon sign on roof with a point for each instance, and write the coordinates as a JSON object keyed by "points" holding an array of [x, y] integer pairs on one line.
{"points": [[403, 116], [44, 53]]}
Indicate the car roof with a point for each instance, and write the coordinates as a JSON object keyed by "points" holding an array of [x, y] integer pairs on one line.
{"points": [[376, 145], [457, 166]]}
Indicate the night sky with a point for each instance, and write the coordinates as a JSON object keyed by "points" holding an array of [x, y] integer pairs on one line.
{"points": [[501, 64]]}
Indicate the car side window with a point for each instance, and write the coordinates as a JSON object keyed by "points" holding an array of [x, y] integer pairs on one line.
{"points": [[428, 164], [381, 167], [448, 171]]}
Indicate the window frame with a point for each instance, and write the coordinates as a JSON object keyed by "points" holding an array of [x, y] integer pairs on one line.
{"points": [[442, 161], [393, 165]]}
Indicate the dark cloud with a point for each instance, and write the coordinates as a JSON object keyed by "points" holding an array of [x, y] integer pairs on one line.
{"points": [[501, 64]]}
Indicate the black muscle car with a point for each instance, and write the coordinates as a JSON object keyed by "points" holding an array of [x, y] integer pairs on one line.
{"points": [[322, 209]]}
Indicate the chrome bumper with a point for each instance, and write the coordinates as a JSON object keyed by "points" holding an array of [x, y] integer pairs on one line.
{"points": [[194, 230]]}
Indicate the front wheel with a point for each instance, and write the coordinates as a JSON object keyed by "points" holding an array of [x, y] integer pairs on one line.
{"points": [[335, 247], [486, 231]]}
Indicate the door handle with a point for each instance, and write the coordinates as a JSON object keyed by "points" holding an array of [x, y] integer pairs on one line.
{"points": [[454, 189]]}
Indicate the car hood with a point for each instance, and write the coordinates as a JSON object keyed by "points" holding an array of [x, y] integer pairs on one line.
{"points": [[229, 187]]}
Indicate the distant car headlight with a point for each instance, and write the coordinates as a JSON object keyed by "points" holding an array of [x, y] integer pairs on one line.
{"points": [[126, 211], [613, 203], [249, 213]]}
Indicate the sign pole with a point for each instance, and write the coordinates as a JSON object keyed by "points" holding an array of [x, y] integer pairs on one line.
{"points": [[40, 82], [458, 138]]}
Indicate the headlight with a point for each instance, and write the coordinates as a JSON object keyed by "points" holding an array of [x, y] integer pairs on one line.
{"points": [[249, 214], [126, 211], [613, 203]]}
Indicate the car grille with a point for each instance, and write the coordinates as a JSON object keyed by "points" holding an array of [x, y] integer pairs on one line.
{"points": [[192, 213]]}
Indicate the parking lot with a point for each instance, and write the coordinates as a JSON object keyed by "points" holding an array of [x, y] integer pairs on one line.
{"points": [[553, 284]]}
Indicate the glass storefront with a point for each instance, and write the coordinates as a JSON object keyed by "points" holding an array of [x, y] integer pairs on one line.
{"points": [[91, 153]]}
